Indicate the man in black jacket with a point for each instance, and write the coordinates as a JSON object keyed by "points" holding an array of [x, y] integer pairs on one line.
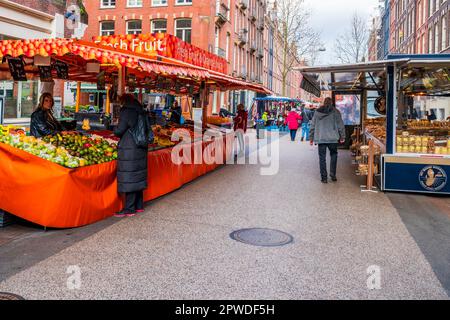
{"points": [[132, 160]]}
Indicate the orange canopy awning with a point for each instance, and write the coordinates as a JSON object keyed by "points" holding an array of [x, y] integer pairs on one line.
{"points": [[77, 53]]}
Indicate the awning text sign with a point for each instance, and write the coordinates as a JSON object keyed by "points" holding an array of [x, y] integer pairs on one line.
{"points": [[165, 45]]}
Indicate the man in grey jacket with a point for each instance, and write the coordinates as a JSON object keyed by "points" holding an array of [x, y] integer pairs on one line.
{"points": [[327, 129]]}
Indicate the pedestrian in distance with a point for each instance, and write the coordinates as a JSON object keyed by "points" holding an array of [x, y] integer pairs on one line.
{"points": [[327, 130], [292, 121], [132, 158], [240, 127], [306, 119]]}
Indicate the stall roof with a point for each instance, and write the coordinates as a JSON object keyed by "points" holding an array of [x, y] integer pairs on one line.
{"points": [[365, 75], [148, 68]]}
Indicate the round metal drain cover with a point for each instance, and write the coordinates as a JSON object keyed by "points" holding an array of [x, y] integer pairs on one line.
{"points": [[10, 296], [262, 237]]}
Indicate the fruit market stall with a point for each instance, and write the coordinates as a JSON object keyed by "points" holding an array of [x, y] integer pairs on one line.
{"points": [[69, 179], [403, 136]]}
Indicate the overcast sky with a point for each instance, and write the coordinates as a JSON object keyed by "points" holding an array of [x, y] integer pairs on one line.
{"points": [[332, 17]]}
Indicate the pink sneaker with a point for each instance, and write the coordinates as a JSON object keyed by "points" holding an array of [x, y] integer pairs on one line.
{"points": [[140, 211]]}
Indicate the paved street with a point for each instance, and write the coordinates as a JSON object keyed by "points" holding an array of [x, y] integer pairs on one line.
{"points": [[180, 247]]}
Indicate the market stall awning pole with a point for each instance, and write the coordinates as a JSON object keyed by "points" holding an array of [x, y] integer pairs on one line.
{"points": [[140, 95], [77, 104], [108, 106], [121, 82], [204, 103]]}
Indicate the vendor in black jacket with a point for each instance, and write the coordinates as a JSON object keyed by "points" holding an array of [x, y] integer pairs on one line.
{"points": [[132, 160], [43, 123], [176, 113]]}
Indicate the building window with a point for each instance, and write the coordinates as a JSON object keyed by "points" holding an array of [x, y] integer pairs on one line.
{"points": [[183, 29], [107, 3], [184, 2], [159, 3], [444, 33], [159, 26], [106, 28], [436, 38], [134, 27], [430, 41], [134, 3]]}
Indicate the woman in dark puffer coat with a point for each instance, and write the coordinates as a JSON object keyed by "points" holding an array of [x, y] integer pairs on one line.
{"points": [[132, 160]]}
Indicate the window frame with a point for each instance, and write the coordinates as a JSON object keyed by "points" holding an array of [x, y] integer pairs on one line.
{"points": [[161, 4], [183, 2], [113, 30], [135, 5], [126, 25], [110, 6], [155, 20], [183, 29]]}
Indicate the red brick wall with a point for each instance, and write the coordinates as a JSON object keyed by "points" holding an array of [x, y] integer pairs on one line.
{"points": [[50, 7], [202, 30]]}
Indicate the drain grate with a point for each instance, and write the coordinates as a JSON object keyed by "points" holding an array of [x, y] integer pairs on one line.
{"points": [[10, 296], [262, 237]]}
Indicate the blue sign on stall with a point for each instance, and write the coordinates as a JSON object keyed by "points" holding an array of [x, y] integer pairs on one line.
{"points": [[414, 177]]}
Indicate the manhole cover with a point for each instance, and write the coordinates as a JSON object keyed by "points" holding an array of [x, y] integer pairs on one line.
{"points": [[10, 296], [262, 237]]}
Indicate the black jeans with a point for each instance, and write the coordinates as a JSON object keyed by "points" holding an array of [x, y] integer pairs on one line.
{"points": [[333, 147], [134, 201], [293, 134]]}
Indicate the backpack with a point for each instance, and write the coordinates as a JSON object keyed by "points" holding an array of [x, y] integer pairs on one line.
{"points": [[141, 132]]}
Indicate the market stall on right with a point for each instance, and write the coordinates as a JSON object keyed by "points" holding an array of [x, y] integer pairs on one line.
{"points": [[400, 111]]}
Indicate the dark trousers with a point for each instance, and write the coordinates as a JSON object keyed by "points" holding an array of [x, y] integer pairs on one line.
{"points": [[333, 147], [134, 201], [293, 134]]}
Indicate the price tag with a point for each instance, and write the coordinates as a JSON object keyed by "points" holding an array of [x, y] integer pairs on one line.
{"points": [[17, 69]]}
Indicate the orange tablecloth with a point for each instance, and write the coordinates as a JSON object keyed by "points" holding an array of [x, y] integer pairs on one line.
{"points": [[50, 195]]}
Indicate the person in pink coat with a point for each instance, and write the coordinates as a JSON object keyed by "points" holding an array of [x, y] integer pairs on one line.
{"points": [[292, 121]]}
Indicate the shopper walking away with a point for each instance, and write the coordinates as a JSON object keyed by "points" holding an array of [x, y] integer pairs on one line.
{"points": [[327, 129], [306, 119], [240, 127], [132, 159], [292, 121]]}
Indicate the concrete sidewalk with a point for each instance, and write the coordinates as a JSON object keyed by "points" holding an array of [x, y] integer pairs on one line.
{"points": [[180, 247]]}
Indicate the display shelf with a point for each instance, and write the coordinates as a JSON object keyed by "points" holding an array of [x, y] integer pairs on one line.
{"points": [[376, 141], [422, 155]]}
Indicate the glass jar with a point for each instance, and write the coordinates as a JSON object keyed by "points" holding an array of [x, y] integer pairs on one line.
{"points": [[437, 150], [412, 149], [424, 149], [444, 150], [424, 141], [412, 140], [400, 141]]}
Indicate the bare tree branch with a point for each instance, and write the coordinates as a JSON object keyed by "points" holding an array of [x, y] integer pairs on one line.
{"points": [[351, 47], [297, 37]]}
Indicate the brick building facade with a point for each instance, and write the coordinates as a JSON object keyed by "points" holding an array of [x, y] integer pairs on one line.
{"points": [[30, 19], [419, 26]]}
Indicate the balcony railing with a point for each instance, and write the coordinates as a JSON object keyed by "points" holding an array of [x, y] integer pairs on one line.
{"points": [[260, 53], [243, 73], [253, 14], [253, 46], [243, 4], [243, 36], [221, 13]]}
